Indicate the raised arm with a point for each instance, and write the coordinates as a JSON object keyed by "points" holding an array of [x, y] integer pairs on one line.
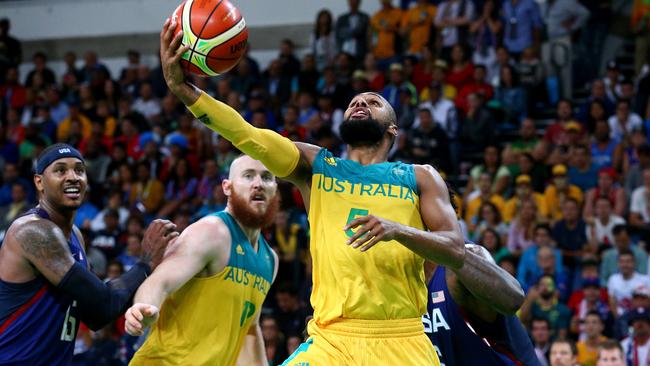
{"points": [[442, 243], [277, 153], [204, 243], [45, 247], [483, 288]]}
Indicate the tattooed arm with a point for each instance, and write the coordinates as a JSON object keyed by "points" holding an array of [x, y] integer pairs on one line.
{"points": [[483, 287], [44, 245]]}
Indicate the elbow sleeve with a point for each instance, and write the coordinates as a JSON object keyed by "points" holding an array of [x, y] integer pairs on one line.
{"points": [[99, 303], [276, 152]]}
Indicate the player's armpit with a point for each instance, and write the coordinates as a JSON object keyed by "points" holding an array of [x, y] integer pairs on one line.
{"points": [[200, 244], [45, 247], [277, 153]]}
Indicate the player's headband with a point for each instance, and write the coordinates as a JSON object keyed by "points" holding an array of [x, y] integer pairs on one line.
{"points": [[59, 152]]}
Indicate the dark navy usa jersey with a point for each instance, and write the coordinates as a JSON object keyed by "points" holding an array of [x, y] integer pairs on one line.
{"points": [[463, 343], [38, 323]]}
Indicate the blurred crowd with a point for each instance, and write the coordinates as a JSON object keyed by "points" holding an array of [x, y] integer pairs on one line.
{"points": [[556, 186]]}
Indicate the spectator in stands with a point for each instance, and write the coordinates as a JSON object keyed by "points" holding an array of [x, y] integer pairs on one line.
{"points": [[600, 226], [258, 101], [563, 352], [570, 233], [542, 301], [640, 299], [634, 174], [526, 142], [527, 165], [63, 132], [113, 203], [274, 341], [640, 208], [352, 31], [439, 77], [291, 127], [486, 33], [107, 240], [58, 109], [491, 240], [276, 84], [428, 143], [598, 95], [622, 284], [541, 337], [323, 41], [376, 80], [147, 104], [605, 151], [582, 171], [243, 79], [622, 243], [563, 133], [131, 254], [12, 92], [444, 113], [307, 77], [385, 24], [477, 127], [610, 353], [396, 82], [529, 269], [288, 61], [520, 235], [492, 166], [477, 85], [290, 314], [416, 26], [591, 340], [453, 18], [559, 190], [562, 19], [523, 192], [216, 202], [147, 192], [631, 153], [485, 194], [180, 189], [588, 300], [636, 347], [623, 121], [15, 208], [606, 187], [461, 71], [511, 97], [546, 263], [10, 176], [41, 69], [10, 48], [522, 25], [93, 71], [531, 73]]}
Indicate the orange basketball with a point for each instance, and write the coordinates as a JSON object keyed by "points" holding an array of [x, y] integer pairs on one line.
{"points": [[216, 32]]}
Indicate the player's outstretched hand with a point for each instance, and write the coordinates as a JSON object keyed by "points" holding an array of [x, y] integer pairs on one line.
{"points": [[171, 52], [139, 317], [372, 230], [159, 233]]}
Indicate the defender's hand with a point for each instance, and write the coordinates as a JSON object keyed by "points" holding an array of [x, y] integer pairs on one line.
{"points": [[171, 53], [159, 233], [373, 230], [139, 317]]}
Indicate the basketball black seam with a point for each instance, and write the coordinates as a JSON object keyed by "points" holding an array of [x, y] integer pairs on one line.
{"points": [[198, 36]]}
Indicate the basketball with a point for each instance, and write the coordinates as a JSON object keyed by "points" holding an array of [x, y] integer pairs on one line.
{"points": [[216, 32]]}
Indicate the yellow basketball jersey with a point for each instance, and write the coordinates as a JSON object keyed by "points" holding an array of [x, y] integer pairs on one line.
{"points": [[205, 321], [385, 282]]}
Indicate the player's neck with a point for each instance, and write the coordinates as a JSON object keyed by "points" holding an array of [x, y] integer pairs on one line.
{"points": [[368, 155], [63, 219]]}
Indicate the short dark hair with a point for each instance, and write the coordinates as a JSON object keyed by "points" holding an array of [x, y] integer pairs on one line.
{"points": [[617, 229], [540, 319], [572, 344], [625, 252], [542, 226], [594, 313]]}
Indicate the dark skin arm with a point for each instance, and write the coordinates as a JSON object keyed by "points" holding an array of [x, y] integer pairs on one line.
{"points": [[483, 288], [442, 244]]}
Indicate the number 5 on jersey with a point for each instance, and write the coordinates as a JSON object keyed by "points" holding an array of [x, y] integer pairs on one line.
{"points": [[354, 214]]}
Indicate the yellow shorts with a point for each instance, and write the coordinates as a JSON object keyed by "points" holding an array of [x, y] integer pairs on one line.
{"points": [[352, 342]]}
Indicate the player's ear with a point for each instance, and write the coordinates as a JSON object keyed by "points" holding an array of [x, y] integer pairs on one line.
{"points": [[38, 182], [226, 185], [393, 130]]}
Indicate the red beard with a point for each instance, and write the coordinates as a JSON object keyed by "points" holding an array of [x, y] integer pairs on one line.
{"points": [[248, 217]]}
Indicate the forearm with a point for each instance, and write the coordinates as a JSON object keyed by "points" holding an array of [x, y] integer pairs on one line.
{"points": [[481, 278], [151, 292], [524, 314], [100, 303], [277, 153], [445, 248]]}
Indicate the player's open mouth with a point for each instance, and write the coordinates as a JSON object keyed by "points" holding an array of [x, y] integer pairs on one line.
{"points": [[72, 192], [258, 197], [359, 113]]}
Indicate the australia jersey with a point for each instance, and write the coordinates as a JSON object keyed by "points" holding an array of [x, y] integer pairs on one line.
{"points": [[38, 323], [206, 320], [385, 282], [460, 342]]}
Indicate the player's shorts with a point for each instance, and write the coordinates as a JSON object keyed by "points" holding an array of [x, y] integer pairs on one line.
{"points": [[352, 342]]}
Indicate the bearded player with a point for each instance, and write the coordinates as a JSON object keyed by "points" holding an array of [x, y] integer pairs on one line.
{"points": [[373, 224], [213, 282]]}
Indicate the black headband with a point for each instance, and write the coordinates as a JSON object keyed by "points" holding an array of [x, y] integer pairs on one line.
{"points": [[60, 152]]}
